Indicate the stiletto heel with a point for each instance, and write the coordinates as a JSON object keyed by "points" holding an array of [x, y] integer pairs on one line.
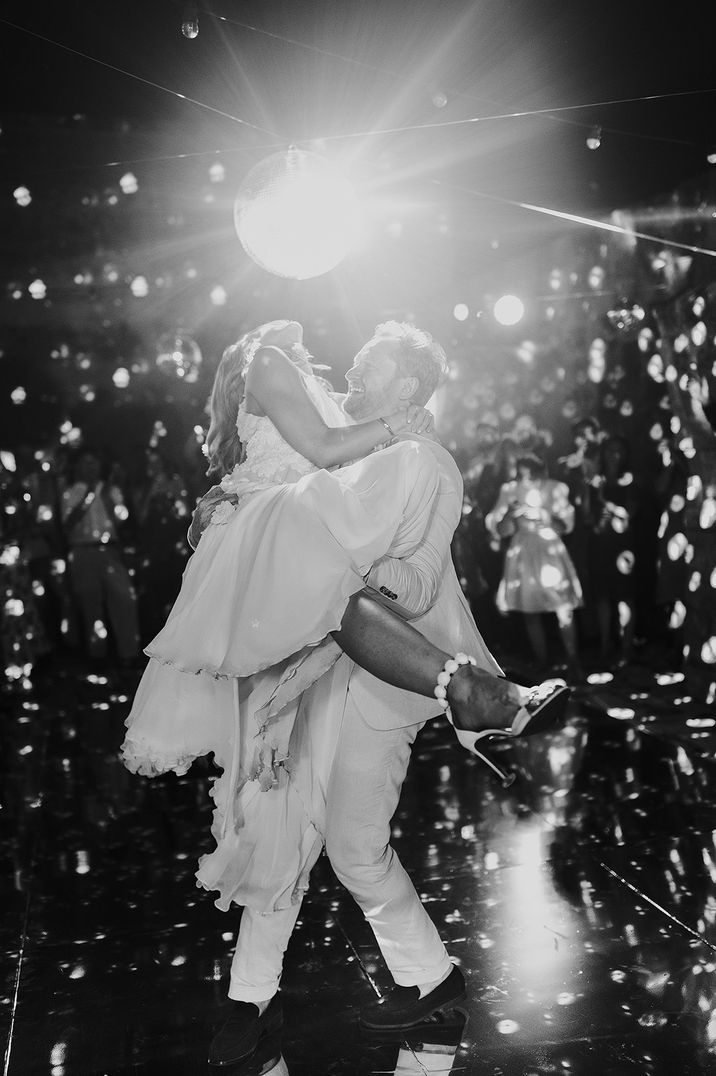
{"points": [[506, 779], [468, 741]]}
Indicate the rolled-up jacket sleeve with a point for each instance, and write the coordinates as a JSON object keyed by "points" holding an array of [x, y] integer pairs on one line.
{"points": [[409, 585]]}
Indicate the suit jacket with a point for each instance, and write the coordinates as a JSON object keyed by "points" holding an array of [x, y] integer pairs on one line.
{"points": [[424, 589]]}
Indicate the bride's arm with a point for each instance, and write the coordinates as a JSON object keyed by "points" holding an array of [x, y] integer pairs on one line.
{"points": [[275, 384]]}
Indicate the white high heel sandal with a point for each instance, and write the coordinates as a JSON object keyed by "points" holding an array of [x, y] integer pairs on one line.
{"points": [[542, 710]]}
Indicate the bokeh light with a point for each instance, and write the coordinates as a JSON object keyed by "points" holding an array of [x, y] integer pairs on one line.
{"points": [[120, 377], [508, 310], [128, 183], [38, 289], [708, 651], [179, 356], [595, 278], [707, 516], [699, 333]]}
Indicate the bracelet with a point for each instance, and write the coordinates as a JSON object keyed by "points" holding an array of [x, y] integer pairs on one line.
{"points": [[390, 431], [445, 676]]}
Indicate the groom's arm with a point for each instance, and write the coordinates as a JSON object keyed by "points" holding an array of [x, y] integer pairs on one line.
{"points": [[410, 585]]}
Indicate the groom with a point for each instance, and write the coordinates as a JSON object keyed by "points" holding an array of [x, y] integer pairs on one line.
{"points": [[352, 743]]}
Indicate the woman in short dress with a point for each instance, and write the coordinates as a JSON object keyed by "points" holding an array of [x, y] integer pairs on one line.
{"points": [[538, 577]]}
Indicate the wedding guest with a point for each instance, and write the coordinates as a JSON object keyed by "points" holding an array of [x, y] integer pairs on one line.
{"points": [[477, 556], [533, 511], [93, 511], [161, 520]]}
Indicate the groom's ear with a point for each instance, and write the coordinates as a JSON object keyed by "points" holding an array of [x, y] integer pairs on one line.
{"points": [[408, 388]]}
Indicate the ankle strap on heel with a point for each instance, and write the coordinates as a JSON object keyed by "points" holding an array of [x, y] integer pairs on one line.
{"points": [[445, 676]]}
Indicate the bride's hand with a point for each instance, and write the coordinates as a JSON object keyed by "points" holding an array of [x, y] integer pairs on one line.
{"points": [[413, 419]]}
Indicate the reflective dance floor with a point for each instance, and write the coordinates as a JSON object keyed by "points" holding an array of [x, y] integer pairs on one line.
{"points": [[580, 903]]}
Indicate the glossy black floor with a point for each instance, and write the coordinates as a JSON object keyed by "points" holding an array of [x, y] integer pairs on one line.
{"points": [[581, 903]]}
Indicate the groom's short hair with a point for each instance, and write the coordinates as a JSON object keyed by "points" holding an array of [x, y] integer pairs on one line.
{"points": [[417, 355]]}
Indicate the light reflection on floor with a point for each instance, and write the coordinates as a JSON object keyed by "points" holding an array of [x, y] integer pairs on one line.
{"points": [[580, 903]]}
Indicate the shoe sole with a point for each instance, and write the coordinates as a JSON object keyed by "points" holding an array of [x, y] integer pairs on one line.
{"points": [[444, 1009], [431, 1032], [550, 714]]}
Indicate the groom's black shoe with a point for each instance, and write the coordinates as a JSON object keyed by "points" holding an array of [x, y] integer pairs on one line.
{"points": [[239, 1035], [402, 1007]]}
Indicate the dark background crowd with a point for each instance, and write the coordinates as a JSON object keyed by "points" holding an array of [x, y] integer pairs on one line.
{"points": [[92, 555]]}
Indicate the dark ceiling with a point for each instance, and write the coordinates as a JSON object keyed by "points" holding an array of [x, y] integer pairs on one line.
{"points": [[341, 69]]}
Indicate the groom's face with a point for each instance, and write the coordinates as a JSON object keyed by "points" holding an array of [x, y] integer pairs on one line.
{"points": [[375, 386]]}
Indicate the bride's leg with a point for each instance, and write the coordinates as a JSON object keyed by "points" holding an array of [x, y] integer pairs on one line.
{"points": [[387, 646]]}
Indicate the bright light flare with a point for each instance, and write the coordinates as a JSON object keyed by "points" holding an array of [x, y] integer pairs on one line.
{"points": [[296, 215]]}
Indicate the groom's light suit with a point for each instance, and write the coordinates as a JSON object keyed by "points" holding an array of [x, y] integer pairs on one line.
{"points": [[350, 751]]}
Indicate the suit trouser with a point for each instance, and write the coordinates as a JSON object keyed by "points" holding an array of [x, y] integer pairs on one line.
{"points": [[363, 790]]}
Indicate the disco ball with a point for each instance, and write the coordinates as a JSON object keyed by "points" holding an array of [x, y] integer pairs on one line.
{"points": [[296, 215], [179, 357]]}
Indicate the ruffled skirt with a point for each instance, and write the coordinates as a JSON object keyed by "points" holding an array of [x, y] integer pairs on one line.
{"points": [[538, 576]]}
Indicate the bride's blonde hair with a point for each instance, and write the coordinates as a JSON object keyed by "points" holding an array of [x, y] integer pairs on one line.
{"points": [[223, 447]]}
